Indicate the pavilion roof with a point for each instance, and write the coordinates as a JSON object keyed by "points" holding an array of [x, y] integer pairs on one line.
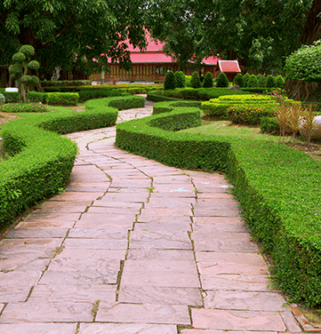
{"points": [[229, 66]]}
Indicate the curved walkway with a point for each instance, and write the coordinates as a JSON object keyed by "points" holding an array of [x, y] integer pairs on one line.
{"points": [[133, 246]]}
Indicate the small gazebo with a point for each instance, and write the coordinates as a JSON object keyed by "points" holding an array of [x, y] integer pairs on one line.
{"points": [[230, 67]]}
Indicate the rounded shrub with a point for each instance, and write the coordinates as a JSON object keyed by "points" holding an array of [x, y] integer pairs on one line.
{"points": [[239, 80], [246, 78], [279, 81], [195, 80], [270, 81], [261, 79], [252, 82], [2, 100], [180, 79], [170, 81], [222, 80], [208, 80]]}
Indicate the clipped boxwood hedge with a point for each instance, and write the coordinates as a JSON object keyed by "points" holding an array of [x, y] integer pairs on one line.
{"points": [[162, 107], [278, 187], [40, 160]]}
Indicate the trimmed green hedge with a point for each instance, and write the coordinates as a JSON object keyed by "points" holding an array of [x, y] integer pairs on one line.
{"points": [[40, 160], [63, 83], [154, 96], [163, 107], [278, 187]]}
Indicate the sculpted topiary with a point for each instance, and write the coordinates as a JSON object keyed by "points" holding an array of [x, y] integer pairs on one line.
{"points": [[252, 83], [222, 80], [208, 80], [21, 67], [270, 82], [180, 79], [239, 80], [195, 80], [170, 81]]}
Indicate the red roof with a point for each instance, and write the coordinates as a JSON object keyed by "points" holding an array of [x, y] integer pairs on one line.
{"points": [[229, 66], [151, 45]]}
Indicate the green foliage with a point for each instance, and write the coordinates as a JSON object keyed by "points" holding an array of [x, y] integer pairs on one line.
{"points": [[246, 78], [252, 81], [188, 79], [249, 115], [269, 125], [208, 80], [65, 83], [27, 50], [165, 107], [154, 96], [170, 81], [24, 107], [304, 64], [195, 80], [180, 79], [274, 204], [62, 98], [97, 93], [222, 80], [270, 81], [239, 80], [279, 81], [18, 57], [2, 100], [261, 80], [33, 65]]}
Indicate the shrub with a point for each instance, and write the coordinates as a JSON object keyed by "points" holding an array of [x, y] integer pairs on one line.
{"points": [[2, 100], [252, 83], [24, 107], [246, 78], [221, 80], [261, 80], [163, 107], [153, 96], [239, 80], [208, 80], [188, 79], [89, 94], [195, 80], [270, 81], [180, 79], [62, 98], [269, 125], [65, 83], [249, 115], [170, 81], [279, 82]]}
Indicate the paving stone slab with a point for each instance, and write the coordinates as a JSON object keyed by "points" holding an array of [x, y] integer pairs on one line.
{"points": [[31, 243], [174, 204], [79, 278], [214, 268], [131, 183], [214, 196], [102, 221], [125, 197], [222, 211], [174, 188], [44, 217], [160, 254], [154, 265], [290, 321], [159, 239], [117, 204], [84, 264], [113, 211], [240, 300], [167, 211], [171, 179], [220, 228], [197, 331], [46, 312], [160, 226], [21, 233], [131, 191], [36, 252], [180, 201], [81, 254], [88, 186], [73, 293], [63, 209], [36, 328], [238, 258], [235, 282], [13, 293], [126, 329], [160, 295], [92, 233], [19, 278], [23, 262], [217, 220], [237, 320], [177, 194], [47, 224], [77, 196], [208, 204], [171, 219], [160, 278], [96, 243], [146, 313], [51, 203]]}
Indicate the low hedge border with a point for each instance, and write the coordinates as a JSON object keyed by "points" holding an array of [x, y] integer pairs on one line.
{"points": [[40, 161], [278, 187], [162, 107]]}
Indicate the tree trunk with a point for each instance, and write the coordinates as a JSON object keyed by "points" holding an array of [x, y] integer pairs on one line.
{"points": [[3, 77], [312, 29], [299, 90]]}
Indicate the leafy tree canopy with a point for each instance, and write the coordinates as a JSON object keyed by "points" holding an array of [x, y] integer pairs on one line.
{"points": [[60, 29]]}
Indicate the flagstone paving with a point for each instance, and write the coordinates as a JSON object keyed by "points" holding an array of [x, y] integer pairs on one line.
{"points": [[133, 246]]}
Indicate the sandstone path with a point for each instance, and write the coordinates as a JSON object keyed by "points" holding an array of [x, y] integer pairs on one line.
{"points": [[133, 246]]}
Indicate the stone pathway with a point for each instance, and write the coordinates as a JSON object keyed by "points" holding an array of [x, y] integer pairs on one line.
{"points": [[133, 246]]}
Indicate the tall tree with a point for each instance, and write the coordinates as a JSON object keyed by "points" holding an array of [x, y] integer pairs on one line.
{"points": [[73, 32]]}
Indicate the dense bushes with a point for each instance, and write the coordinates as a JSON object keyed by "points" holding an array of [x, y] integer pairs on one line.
{"points": [[239, 80], [270, 81], [252, 83], [64, 83], [165, 107], [246, 78], [278, 188], [180, 79], [222, 80], [170, 81], [41, 161], [208, 80], [249, 115], [195, 80]]}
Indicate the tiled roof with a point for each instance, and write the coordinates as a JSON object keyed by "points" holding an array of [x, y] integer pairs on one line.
{"points": [[229, 66]]}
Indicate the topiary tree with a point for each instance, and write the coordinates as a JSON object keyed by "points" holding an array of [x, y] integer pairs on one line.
{"points": [[180, 79], [252, 82], [195, 81], [222, 80], [170, 81], [21, 67], [239, 80], [270, 81], [261, 79], [246, 78], [208, 80], [279, 81]]}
